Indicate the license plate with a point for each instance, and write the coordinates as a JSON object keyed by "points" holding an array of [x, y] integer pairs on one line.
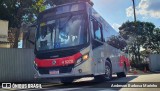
{"points": [[54, 72]]}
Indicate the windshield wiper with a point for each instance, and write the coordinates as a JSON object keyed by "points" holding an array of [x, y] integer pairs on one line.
{"points": [[66, 22]]}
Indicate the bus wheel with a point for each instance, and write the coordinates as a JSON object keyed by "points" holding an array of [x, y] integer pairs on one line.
{"points": [[66, 80], [122, 74], [108, 73]]}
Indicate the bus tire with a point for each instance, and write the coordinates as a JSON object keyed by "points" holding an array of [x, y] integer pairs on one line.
{"points": [[108, 73], [122, 74], [66, 80], [108, 76]]}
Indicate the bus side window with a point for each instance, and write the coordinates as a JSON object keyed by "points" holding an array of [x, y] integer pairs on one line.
{"points": [[97, 29], [91, 23]]}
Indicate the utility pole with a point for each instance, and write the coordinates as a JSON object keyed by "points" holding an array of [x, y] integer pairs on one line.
{"points": [[136, 29], [134, 10]]}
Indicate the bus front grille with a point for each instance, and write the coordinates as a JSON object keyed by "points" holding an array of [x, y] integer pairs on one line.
{"points": [[64, 69]]}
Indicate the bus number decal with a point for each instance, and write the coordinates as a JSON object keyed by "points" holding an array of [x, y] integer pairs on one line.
{"points": [[69, 62]]}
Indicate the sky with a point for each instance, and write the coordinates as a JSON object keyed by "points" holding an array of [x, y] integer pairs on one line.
{"points": [[116, 12]]}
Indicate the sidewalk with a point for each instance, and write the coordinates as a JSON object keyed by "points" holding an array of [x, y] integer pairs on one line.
{"points": [[138, 72]]}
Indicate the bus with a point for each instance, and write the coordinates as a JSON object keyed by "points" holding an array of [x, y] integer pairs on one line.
{"points": [[74, 41]]}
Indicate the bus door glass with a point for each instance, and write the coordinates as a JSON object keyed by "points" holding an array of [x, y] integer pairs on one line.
{"points": [[98, 52]]}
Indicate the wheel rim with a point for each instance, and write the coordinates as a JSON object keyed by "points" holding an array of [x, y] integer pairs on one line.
{"points": [[107, 71]]}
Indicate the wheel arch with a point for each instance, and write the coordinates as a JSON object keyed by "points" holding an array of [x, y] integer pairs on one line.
{"points": [[108, 59]]}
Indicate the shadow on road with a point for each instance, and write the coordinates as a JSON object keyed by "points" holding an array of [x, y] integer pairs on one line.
{"points": [[93, 84], [87, 85]]}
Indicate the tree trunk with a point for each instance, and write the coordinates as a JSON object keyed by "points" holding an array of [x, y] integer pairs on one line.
{"points": [[139, 55], [17, 33]]}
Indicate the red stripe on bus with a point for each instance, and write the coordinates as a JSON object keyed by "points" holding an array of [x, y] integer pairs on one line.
{"points": [[58, 61], [127, 62], [122, 60]]}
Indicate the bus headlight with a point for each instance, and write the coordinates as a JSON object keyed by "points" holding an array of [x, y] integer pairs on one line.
{"points": [[82, 59], [35, 65], [85, 57]]}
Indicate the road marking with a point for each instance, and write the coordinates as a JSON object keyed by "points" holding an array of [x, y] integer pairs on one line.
{"points": [[85, 79]]}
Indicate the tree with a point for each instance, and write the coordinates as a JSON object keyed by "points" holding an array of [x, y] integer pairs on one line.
{"points": [[153, 43], [140, 32], [26, 11], [32, 12], [14, 11], [18, 11]]}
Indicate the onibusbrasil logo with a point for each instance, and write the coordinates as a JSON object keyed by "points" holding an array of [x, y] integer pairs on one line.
{"points": [[20, 86]]}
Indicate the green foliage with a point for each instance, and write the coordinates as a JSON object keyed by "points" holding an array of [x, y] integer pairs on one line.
{"points": [[37, 7], [141, 35], [9, 11], [136, 28], [18, 11], [26, 11], [145, 53], [142, 32], [153, 42]]}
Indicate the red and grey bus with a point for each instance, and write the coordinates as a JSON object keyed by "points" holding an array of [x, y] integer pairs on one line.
{"points": [[73, 41]]}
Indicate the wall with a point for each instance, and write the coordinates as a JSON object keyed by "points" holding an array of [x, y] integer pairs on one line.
{"points": [[154, 62], [16, 65], [3, 30], [5, 45]]}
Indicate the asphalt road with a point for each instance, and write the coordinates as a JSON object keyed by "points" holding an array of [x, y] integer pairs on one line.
{"points": [[88, 84]]}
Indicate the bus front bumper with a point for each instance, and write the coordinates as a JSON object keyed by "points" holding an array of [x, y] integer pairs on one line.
{"points": [[37, 75], [81, 70]]}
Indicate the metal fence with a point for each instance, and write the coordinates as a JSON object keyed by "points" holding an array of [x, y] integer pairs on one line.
{"points": [[154, 62], [16, 65]]}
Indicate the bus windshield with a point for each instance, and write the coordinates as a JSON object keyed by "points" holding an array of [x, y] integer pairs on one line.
{"points": [[63, 32]]}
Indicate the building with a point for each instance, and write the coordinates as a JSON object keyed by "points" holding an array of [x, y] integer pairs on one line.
{"points": [[4, 43]]}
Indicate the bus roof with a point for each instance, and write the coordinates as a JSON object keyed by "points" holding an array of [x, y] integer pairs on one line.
{"points": [[63, 5]]}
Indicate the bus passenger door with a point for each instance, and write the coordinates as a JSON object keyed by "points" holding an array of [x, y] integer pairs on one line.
{"points": [[97, 45]]}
